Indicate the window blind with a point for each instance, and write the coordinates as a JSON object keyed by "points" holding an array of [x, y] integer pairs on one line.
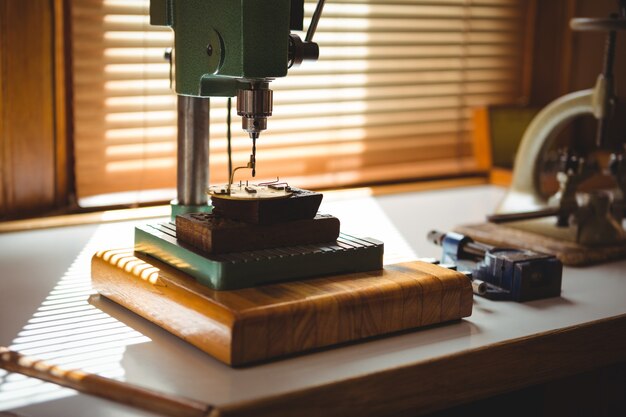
{"points": [[389, 99]]}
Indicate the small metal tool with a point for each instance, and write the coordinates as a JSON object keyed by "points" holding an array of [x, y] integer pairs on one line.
{"points": [[253, 157], [514, 217], [261, 191], [478, 287], [507, 273]]}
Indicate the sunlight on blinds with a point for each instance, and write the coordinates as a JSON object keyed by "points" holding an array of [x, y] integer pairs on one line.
{"points": [[389, 99]]}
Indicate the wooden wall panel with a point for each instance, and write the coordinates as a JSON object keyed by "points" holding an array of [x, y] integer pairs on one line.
{"points": [[552, 47], [62, 104], [3, 47], [566, 61], [586, 63], [28, 88]]}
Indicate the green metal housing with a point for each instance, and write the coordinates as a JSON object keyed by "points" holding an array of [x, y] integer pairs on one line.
{"points": [[251, 268], [222, 43]]}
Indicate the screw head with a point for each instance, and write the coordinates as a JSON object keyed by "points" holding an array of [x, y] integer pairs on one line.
{"points": [[167, 54], [209, 49]]}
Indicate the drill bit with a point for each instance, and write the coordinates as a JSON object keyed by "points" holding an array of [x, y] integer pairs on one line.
{"points": [[253, 156]]}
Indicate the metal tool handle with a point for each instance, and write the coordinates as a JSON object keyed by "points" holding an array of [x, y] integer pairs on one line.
{"points": [[314, 21], [593, 24], [527, 215], [463, 247]]}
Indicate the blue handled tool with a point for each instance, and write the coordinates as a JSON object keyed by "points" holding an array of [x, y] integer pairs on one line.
{"points": [[509, 273]]}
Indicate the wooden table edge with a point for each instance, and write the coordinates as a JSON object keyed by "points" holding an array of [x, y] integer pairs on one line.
{"points": [[454, 379]]}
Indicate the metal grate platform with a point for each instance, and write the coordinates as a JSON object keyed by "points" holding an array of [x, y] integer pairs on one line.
{"points": [[247, 269]]}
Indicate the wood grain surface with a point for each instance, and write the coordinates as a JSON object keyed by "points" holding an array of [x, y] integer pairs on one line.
{"points": [[214, 234], [255, 324], [27, 107], [570, 253], [34, 116]]}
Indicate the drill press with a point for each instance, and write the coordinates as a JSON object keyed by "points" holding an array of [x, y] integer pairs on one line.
{"points": [[229, 49], [228, 278], [226, 50]]}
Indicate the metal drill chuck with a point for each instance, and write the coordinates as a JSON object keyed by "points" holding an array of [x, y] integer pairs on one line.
{"points": [[254, 106]]}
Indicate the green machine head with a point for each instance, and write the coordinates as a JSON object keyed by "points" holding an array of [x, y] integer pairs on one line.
{"points": [[235, 48]]}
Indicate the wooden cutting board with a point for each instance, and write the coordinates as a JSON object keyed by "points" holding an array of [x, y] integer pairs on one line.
{"points": [[255, 324]]}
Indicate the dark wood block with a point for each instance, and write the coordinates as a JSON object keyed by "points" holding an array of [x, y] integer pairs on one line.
{"points": [[214, 234], [302, 204]]}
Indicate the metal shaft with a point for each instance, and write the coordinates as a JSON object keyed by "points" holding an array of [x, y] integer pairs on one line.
{"points": [[468, 249], [607, 73], [193, 150], [314, 21]]}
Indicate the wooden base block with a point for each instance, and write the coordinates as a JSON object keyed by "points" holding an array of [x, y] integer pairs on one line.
{"points": [[255, 324], [568, 252]]}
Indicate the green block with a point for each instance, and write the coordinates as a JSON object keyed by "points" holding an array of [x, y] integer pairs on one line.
{"points": [[248, 269]]}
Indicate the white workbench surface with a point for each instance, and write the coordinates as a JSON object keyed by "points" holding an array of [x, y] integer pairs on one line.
{"points": [[45, 311]]}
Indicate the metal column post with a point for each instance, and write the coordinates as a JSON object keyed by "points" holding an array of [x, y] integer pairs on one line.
{"points": [[193, 155]]}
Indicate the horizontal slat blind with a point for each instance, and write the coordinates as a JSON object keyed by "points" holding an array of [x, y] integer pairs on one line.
{"points": [[389, 99]]}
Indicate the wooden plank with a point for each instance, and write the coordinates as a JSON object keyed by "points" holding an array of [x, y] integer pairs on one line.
{"points": [[256, 324], [4, 161], [568, 252], [27, 94], [552, 66], [528, 50], [62, 115], [481, 138]]}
